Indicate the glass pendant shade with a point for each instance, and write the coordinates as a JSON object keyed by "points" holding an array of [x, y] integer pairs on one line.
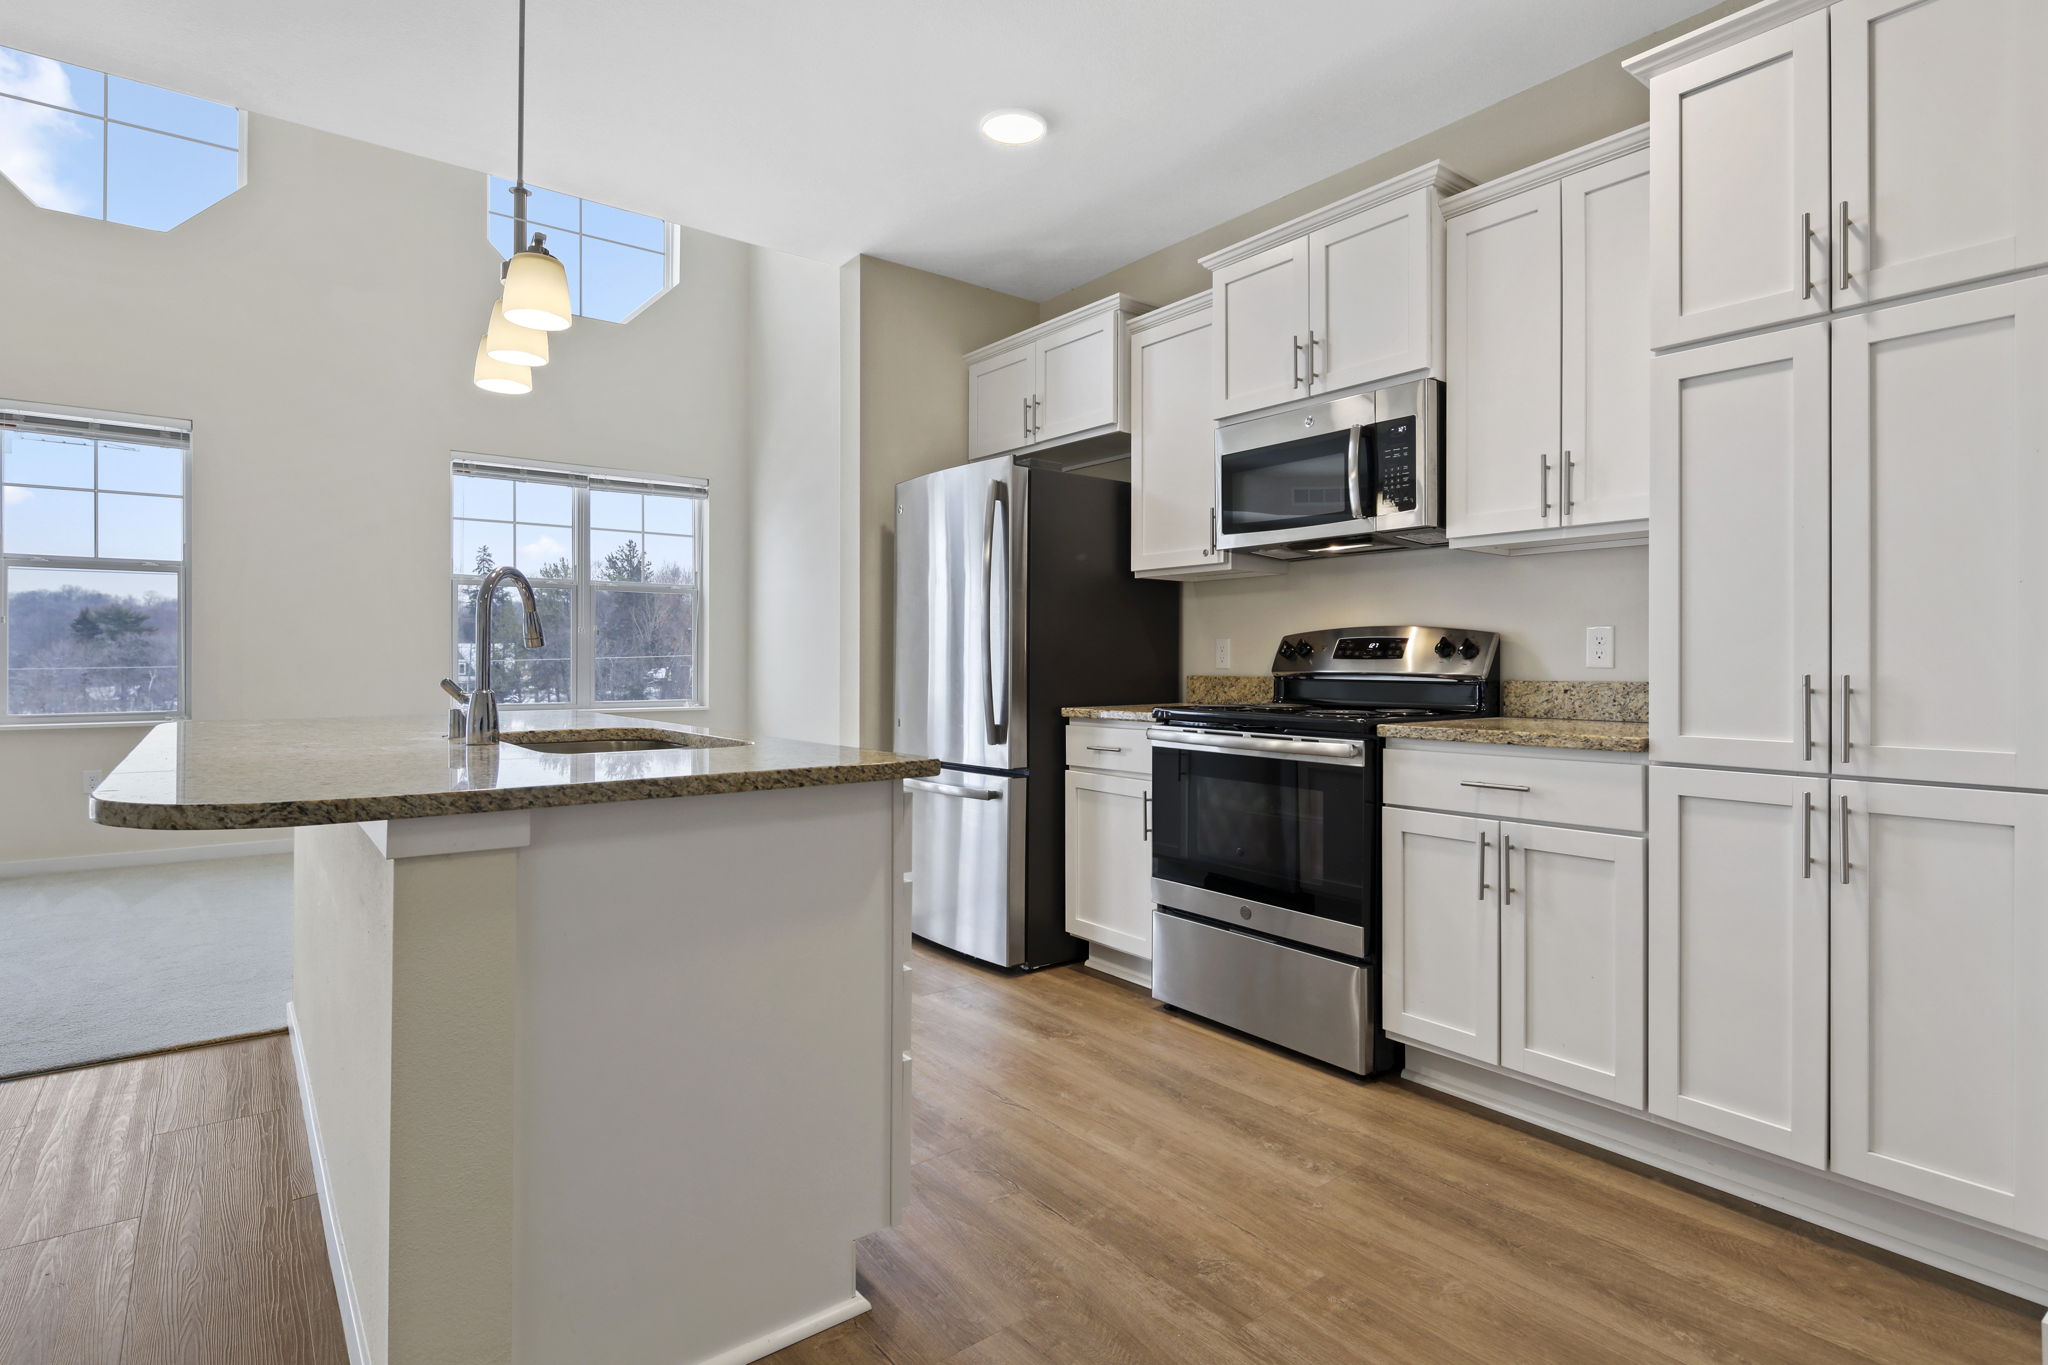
{"points": [[514, 345], [537, 292], [495, 376]]}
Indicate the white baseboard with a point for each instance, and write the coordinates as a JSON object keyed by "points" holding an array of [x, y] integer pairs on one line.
{"points": [[353, 1331], [2010, 1262], [768, 1343], [144, 857], [1123, 966]]}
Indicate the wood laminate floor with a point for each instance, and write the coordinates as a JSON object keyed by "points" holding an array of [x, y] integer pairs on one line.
{"points": [[1096, 1180]]}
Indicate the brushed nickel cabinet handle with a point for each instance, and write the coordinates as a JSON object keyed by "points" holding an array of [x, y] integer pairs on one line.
{"points": [[1036, 425], [1564, 475], [1806, 255], [1027, 419], [1842, 248], [1507, 872], [1495, 786], [1806, 835], [1806, 714], [1543, 483], [1312, 339], [1848, 745], [1297, 362], [1105, 748], [1147, 808], [1482, 865], [1845, 839]]}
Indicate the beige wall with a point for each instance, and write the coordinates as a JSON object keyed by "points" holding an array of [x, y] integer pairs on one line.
{"points": [[908, 417], [1542, 603], [317, 329]]}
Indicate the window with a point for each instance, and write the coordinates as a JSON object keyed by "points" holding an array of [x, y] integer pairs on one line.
{"points": [[80, 141], [618, 262], [617, 566], [92, 553]]}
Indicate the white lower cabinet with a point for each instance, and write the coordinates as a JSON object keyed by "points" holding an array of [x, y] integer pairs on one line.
{"points": [[1109, 849], [1739, 957], [1516, 944]]}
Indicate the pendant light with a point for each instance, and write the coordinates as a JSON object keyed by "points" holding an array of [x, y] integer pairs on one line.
{"points": [[507, 341], [536, 298]]}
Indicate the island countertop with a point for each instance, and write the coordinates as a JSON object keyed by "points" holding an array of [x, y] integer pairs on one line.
{"points": [[277, 774]]}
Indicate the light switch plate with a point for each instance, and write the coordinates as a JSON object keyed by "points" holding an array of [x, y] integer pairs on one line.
{"points": [[1599, 646]]}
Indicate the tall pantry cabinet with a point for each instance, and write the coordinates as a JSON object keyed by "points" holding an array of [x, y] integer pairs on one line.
{"points": [[1848, 923]]}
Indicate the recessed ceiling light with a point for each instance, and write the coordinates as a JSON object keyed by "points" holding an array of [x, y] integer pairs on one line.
{"points": [[1013, 127]]}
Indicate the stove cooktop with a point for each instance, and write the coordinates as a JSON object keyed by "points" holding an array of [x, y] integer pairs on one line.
{"points": [[1298, 718]]}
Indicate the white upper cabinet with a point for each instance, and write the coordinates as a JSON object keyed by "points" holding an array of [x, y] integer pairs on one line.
{"points": [[1502, 321], [1348, 296], [1547, 363], [1940, 1024], [1374, 294], [1738, 959], [1940, 119], [1739, 185], [1262, 325], [1739, 564], [1571, 958], [1940, 477], [1173, 450], [999, 392], [1808, 156], [1057, 391]]}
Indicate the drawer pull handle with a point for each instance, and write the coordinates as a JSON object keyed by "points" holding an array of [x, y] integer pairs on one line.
{"points": [[1495, 786], [1105, 748]]}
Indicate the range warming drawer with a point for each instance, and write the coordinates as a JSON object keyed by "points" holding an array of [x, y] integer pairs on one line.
{"points": [[1319, 1006]]}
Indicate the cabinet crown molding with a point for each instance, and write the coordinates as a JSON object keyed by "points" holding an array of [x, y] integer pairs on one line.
{"points": [[1171, 312], [1545, 172], [1717, 35], [1115, 303], [1435, 176]]}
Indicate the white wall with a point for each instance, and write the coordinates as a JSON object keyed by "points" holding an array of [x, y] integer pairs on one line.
{"points": [[318, 328]]}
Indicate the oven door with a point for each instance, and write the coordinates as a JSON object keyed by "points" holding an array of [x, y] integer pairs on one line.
{"points": [[1292, 477], [1267, 833]]}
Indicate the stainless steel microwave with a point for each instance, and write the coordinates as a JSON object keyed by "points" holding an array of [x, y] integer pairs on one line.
{"points": [[1359, 473]]}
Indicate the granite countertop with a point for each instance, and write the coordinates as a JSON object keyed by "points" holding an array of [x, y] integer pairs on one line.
{"points": [[1613, 736], [1131, 712], [194, 775]]}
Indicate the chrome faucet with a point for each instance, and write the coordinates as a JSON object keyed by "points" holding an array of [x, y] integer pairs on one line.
{"points": [[482, 726]]}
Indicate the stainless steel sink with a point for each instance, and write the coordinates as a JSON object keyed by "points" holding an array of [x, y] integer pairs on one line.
{"points": [[594, 746]]}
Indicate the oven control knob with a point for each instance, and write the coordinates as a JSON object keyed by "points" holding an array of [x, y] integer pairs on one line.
{"points": [[1287, 649], [1444, 648], [1469, 649]]}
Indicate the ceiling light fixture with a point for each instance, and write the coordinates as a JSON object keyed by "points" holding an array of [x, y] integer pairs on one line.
{"points": [[536, 299], [1012, 127]]}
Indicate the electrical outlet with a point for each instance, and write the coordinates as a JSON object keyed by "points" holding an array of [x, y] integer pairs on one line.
{"points": [[92, 780], [1599, 646], [1222, 652]]}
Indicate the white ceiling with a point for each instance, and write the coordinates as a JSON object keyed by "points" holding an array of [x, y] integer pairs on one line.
{"points": [[831, 127]]}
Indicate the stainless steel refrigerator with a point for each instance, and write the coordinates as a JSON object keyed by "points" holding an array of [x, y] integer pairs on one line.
{"points": [[1014, 598]]}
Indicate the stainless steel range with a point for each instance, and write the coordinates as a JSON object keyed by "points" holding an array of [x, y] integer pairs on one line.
{"points": [[1265, 835]]}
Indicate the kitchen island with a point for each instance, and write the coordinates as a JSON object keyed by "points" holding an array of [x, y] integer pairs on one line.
{"points": [[588, 1074]]}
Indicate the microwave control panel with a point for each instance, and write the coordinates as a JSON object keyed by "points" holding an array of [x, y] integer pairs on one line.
{"points": [[1393, 465]]}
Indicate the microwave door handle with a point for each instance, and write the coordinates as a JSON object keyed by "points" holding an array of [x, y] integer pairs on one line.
{"points": [[1354, 495]]}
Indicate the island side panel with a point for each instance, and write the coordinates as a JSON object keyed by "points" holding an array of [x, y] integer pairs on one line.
{"points": [[706, 1070], [341, 1040]]}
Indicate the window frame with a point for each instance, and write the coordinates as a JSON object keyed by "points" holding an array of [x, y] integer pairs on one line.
{"points": [[582, 480], [92, 417], [108, 121], [671, 245]]}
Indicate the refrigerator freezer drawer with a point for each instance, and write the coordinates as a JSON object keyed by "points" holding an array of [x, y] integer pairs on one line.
{"points": [[967, 852], [1312, 1004]]}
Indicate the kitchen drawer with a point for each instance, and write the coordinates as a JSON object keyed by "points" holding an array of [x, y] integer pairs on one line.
{"points": [[1559, 791], [1111, 748]]}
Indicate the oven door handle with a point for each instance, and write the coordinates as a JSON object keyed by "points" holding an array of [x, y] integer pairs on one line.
{"points": [[1171, 738]]}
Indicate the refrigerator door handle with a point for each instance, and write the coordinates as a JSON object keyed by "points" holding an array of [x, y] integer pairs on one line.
{"points": [[998, 720]]}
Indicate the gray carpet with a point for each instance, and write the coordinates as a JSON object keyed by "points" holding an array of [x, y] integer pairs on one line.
{"points": [[95, 965]]}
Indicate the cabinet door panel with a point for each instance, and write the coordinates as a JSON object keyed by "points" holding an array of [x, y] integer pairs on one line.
{"points": [[1606, 341], [1940, 477], [1739, 564], [1262, 329], [1372, 291], [1738, 938], [1940, 114], [1173, 447], [1440, 932], [1077, 377], [1571, 959], [1109, 861], [1739, 160], [1503, 313], [1940, 1023], [999, 391]]}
